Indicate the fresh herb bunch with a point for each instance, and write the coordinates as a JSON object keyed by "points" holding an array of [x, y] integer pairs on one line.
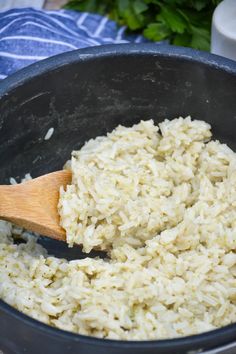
{"points": [[182, 22]]}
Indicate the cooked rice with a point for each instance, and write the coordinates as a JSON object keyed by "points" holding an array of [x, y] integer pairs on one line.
{"points": [[163, 202], [49, 133]]}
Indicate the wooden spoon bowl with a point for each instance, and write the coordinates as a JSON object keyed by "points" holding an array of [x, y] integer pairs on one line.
{"points": [[33, 204]]}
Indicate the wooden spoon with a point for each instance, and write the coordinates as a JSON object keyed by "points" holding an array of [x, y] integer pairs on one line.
{"points": [[33, 204]]}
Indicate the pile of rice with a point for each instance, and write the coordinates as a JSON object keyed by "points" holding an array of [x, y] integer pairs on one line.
{"points": [[162, 201]]}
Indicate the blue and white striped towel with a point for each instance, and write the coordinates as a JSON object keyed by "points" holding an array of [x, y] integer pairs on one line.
{"points": [[28, 35]]}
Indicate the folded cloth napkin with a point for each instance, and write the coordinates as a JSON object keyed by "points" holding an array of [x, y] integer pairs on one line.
{"points": [[28, 35]]}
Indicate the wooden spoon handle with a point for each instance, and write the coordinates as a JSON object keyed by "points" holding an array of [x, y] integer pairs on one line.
{"points": [[14, 202]]}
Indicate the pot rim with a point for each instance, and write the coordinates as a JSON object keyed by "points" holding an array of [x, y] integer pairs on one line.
{"points": [[224, 334], [111, 50]]}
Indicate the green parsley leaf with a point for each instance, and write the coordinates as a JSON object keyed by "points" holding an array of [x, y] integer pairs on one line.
{"points": [[157, 31], [182, 22]]}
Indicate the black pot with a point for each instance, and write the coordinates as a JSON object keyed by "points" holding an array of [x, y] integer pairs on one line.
{"points": [[86, 93]]}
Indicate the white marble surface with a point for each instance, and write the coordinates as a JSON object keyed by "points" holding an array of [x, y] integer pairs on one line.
{"points": [[9, 4], [54, 4]]}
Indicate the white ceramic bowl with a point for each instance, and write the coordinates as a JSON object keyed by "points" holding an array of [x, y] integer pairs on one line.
{"points": [[223, 37]]}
